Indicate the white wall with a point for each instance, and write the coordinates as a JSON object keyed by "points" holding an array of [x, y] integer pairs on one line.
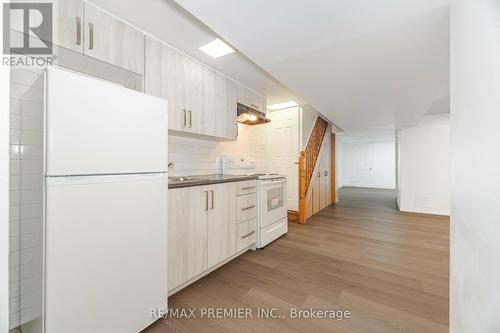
{"points": [[367, 163], [424, 160], [199, 156], [475, 157], [307, 120], [4, 193]]}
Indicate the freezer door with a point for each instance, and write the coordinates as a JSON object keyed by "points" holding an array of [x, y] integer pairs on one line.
{"points": [[106, 253], [97, 127]]}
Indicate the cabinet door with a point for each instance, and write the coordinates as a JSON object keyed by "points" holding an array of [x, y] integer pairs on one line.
{"points": [[225, 107], [69, 24], [256, 102], [165, 77], [243, 95], [316, 192], [200, 98], [222, 230], [113, 41], [187, 234]]}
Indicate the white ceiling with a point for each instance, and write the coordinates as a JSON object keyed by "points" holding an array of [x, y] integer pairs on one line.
{"points": [[169, 22], [365, 64]]}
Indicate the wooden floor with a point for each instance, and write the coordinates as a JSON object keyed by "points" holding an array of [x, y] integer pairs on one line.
{"points": [[389, 269]]}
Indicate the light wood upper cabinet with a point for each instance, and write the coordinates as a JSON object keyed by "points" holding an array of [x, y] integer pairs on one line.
{"points": [[225, 107], [112, 40], [251, 99], [200, 100], [165, 77], [86, 29], [187, 234], [221, 223], [69, 24]]}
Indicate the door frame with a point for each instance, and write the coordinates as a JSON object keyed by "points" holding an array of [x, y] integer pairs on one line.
{"points": [[332, 169]]}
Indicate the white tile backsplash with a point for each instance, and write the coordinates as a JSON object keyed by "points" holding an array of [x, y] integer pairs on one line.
{"points": [[197, 156], [26, 196]]}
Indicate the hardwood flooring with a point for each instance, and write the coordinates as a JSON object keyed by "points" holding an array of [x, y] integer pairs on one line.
{"points": [[389, 269]]}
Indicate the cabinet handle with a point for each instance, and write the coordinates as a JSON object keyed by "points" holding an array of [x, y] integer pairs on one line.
{"points": [[185, 117], [91, 36], [78, 31], [319, 174], [213, 200], [249, 234], [249, 207], [247, 188], [190, 118], [326, 173], [206, 200]]}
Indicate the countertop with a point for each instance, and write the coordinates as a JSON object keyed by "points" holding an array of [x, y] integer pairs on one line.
{"points": [[200, 180]]}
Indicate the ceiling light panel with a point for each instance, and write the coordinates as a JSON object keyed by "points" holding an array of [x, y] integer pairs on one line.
{"points": [[216, 48]]}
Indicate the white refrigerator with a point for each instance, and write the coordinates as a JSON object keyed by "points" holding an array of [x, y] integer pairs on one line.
{"points": [[105, 205]]}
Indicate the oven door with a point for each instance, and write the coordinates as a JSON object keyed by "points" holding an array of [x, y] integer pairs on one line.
{"points": [[273, 201]]}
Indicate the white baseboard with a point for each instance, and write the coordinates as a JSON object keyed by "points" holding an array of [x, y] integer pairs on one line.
{"points": [[424, 210], [368, 186]]}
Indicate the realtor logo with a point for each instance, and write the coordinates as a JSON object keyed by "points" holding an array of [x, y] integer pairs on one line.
{"points": [[27, 28]]}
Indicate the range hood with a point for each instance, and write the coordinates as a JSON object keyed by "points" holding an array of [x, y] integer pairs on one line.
{"points": [[248, 116]]}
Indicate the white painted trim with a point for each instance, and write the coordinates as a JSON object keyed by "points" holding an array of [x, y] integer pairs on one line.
{"points": [[423, 211], [368, 186]]}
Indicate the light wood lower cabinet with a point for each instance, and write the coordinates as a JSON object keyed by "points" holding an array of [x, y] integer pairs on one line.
{"points": [[187, 234], [202, 230], [221, 223]]}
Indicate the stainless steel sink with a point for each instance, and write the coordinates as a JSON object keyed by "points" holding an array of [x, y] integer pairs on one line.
{"points": [[179, 179], [185, 179]]}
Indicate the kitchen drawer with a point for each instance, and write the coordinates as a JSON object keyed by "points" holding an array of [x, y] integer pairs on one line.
{"points": [[248, 186], [246, 207], [246, 234]]}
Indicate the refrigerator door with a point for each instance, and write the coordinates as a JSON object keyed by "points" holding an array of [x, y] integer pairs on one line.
{"points": [[96, 127], [106, 253]]}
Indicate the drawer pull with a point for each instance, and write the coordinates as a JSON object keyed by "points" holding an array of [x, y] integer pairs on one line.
{"points": [[249, 234], [247, 188], [249, 207]]}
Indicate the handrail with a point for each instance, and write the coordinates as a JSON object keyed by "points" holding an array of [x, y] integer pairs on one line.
{"points": [[307, 162]]}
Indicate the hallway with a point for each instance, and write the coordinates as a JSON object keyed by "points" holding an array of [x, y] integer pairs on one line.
{"points": [[389, 269]]}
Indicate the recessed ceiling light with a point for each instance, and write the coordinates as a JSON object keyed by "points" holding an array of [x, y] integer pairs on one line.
{"points": [[283, 105], [216, 48]]}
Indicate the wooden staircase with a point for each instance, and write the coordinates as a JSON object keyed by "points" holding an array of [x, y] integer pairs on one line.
{"points": [[307, 163]]}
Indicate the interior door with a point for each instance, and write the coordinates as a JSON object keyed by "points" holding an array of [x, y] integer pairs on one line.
{"points": [[106, 253], [187, 234], [284, 151], [221, 222]]}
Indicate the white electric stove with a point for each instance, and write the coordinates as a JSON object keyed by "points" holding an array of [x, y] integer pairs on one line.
{"points": [[272, 220]]}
